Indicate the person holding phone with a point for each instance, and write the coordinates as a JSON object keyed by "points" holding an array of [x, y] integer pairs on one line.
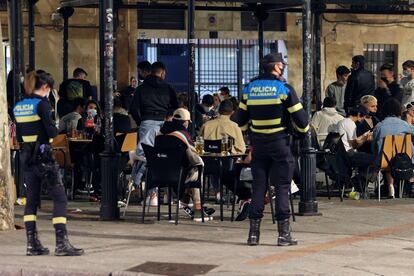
{"points": [[370, 104], [347, 129]]}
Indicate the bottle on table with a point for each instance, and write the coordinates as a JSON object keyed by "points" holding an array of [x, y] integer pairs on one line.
{"points": [[224, 145]]}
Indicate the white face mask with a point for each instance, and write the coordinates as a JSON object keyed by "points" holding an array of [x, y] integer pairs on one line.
{"points": [[406, 73], [48, 93]]}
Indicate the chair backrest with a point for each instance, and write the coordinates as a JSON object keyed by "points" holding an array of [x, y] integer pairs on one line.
{"points": [[394, 144], [212, 146], [164, 165], [61, 142], [130, 142], [332, 139], [339, 165]]}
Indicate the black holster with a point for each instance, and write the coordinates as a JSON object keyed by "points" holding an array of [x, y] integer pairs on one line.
{"points": [[40, 159]]}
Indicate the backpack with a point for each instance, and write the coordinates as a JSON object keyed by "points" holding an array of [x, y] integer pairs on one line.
{"points": [[74, 90], [401, 164]]}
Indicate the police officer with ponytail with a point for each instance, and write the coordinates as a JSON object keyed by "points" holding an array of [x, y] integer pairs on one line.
{"points": [[36, 130], [269, 104]]}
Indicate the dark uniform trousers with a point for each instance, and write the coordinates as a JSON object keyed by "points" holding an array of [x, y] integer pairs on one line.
{"points": [[34, 178], [272, 161]]}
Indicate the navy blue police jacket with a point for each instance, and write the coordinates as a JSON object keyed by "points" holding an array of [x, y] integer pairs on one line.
{"points": [[269, 106], [34, 120]]}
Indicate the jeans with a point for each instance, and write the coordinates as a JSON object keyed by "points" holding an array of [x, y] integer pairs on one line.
{"points": [[147, 132]]}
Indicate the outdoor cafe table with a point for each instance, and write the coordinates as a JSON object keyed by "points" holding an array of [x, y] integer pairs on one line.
{"points": [[210, 158], [79, 140]]}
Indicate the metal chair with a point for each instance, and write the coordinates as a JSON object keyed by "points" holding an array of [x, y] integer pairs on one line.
{"points": [[61, 153], [128, 144], [165, 169], [391, 146], [215, 166]]}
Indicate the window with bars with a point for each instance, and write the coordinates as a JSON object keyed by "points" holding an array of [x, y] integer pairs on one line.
{"points": [[216, 62], [378, 54]]}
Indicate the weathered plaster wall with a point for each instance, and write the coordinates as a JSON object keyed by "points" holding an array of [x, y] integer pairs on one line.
{"points": [[84, 46], [350, 40]]}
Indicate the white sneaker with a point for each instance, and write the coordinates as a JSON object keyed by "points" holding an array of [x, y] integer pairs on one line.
{"points": [[391, 192]]}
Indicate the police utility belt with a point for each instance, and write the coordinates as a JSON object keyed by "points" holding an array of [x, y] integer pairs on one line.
{"points": [[40, 158]]}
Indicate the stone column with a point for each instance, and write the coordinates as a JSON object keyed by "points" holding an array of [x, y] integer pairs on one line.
{"points": [[6, 182]]}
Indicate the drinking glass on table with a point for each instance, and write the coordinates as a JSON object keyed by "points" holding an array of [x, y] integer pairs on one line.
{"points": [[231, 144], [199, 144], [224, 145]]}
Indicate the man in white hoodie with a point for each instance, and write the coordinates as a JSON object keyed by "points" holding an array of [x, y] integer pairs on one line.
{"points": [[324, 119]]}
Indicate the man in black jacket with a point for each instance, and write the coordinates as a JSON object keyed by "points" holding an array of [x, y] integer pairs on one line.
{"points": [[70, 89], [360, 83], [387, 87], [152, 100]]}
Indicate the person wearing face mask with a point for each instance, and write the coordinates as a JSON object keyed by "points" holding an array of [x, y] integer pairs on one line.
{"points": [[144, 70], [91, 120], [36, 130], [370, 104], [360, 83], [387, 87], [407, 82], [204, 111], [269, 103], [224, 93]]}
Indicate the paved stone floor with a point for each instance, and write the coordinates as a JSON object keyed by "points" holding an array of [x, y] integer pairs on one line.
{"points": [[350, 238]]}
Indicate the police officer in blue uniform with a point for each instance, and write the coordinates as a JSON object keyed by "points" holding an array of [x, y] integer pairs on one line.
{"points": [[268, 106], [36, 130]]}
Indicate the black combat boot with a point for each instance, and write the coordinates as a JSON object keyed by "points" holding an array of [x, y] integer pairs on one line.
{"points": [[63, 246], [285, 239], [254, 232], [34, 247]]}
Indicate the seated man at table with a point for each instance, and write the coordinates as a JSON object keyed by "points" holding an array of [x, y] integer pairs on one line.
{"points": [[347, 130], [178, 128], [223, 126], [70, 120]]}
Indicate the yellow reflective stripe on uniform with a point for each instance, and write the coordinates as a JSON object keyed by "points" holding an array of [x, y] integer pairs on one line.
{"points": [[283, 96], [29, 218], [267, 131], [27, 119], [59, 220], [267, 122], [295, 108], [245, 127], [303, 130], [243, 106], [245, 96], [29, 138], [264, 102]]}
